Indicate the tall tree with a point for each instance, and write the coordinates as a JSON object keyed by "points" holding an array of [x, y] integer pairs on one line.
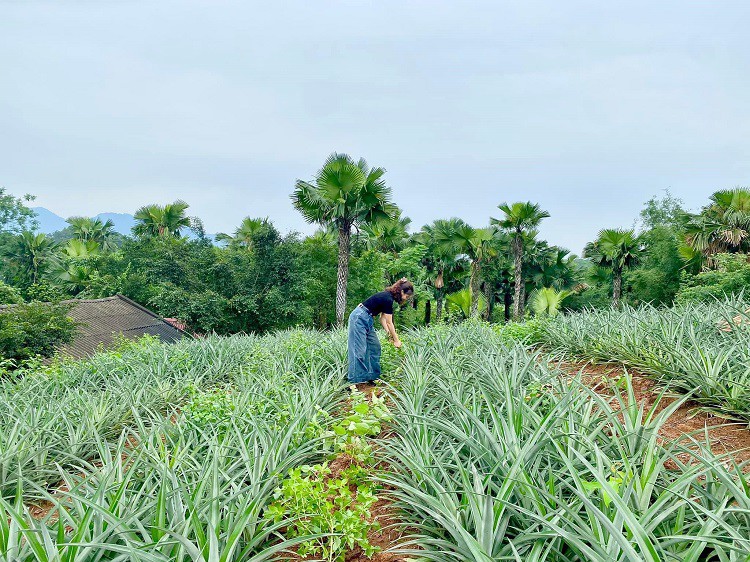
{"points": [[497, 274], [476, 245], [15, 216], [157, 220], [32, 253], [519, 218], [346, 194], [441, 260], [617, 250], [95, 230], [245, 233], [723, 226]]}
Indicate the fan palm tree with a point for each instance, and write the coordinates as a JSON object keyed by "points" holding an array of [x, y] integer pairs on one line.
{"points": [[74, 276], [519, 219], [346, 194], [723, 226], [497, 275], [32, 253], [387, 236], [551, 266], [87, 229], [244, 234], [547, 301], [441, 260], [76, 248], [616, 250], [474, 243], [155, 220]]}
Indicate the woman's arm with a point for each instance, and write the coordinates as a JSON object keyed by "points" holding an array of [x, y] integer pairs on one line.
{"points": [[387, 322]]}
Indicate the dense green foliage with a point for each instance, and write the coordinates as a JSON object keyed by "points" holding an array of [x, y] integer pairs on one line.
{"points": [[9, 295], [731, 277], [34, 329], [257, 280]]}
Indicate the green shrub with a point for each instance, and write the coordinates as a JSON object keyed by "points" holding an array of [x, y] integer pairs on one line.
{"points": [[44, 292], [31, 329], [9, 294], [731, 277], [529, 331], [318, 503]]}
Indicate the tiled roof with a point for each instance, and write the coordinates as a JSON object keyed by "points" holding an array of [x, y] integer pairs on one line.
{"points": [[101, 321]]}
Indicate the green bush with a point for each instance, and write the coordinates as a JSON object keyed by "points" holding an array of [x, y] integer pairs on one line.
{"points": [[529, 331], [9, 294], [44, 292], [31, 329], [731, 277]]}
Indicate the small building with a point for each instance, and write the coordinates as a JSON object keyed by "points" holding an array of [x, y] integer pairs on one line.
{"points": [[102, 321]]}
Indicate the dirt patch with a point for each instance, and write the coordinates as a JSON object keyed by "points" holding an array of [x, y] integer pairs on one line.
{"points": [[724, 436], [387, 538]]}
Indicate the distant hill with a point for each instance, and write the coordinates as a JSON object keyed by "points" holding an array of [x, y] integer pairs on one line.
{"points": [[123, 222], [49, 222]]}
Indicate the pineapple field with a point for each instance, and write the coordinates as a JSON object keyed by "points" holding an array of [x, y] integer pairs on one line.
{"points": [[552, 440]]}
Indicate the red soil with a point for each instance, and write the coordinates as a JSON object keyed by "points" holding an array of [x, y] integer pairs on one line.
{"points": [[723, 436]]}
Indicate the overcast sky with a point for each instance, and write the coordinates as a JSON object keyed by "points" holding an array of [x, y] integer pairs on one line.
{"points": [[588, 108]]}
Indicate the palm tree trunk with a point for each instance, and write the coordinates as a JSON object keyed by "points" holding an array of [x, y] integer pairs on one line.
{"points": [[343, 271], [518, 275], [474, 289], [488, 298], [439, 307], [616, 287], [507, 299], [427, 312]]}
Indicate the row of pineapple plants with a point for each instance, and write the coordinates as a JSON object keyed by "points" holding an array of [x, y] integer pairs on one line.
{"points": [[497, 457], [699, 349], [165, 452]]}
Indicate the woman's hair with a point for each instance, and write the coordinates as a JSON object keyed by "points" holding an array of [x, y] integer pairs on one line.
{"points": [[402, 284]]}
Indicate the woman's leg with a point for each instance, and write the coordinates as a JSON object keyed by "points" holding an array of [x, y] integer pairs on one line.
{"points": [[357, 348], [373, 354]]}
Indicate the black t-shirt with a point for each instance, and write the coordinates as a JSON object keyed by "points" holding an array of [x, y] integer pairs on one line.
{"points": [[380, 302]]}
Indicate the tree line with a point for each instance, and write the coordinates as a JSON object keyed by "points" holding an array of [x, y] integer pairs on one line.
{"points": [[255, 279]]}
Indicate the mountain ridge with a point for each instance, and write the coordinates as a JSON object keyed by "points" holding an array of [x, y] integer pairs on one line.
{"points": [[50, 222]]}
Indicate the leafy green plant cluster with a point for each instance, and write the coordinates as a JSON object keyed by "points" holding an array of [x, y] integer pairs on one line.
{"points": [[363, 419], [528, 331], [730, 277], [333, 510], [31, 329], [213, 407]]}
